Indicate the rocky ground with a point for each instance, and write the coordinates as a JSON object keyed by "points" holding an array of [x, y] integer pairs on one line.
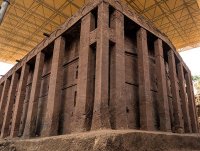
{"points": [[107, 140]]}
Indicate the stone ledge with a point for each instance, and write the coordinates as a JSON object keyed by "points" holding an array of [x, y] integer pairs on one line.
{"points": [[108, 140]]}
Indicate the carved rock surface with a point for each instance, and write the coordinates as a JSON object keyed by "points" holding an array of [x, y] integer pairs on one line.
{"points": [[108, 140]]}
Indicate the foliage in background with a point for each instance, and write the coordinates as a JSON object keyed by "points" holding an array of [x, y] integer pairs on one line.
{"points": [[196, 84], [196, 78]]}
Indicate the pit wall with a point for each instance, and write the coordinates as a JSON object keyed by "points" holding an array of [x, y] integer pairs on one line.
{"points": [[105, 72]]}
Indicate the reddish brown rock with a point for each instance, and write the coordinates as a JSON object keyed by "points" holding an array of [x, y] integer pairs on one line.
{"points": [[105, 68], [108, 140]]}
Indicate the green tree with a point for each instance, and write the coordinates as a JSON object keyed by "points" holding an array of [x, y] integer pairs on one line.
{"points": [[196, 78]]}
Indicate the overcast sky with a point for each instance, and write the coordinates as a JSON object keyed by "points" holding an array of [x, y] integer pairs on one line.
{"points": [[5, 67], [191, 58]]}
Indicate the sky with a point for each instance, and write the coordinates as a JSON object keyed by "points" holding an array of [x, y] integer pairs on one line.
{"points": [[190, 57], [4, 68], [192, 60]]}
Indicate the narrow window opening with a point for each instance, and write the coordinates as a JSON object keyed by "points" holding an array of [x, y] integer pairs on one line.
{"points": [[76, 72], [75, 95]]}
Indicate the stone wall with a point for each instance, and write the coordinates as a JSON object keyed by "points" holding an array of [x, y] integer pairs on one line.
{"points": [[105, 68]]}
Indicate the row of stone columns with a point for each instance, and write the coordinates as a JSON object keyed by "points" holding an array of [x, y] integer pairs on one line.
{"points": [[107, 102], [181, 115], [185, 109], [30, 125], [19, 101], [9, 96], [117, 107], [9, 105], [183, 102], [4, 100], [54, 94], [178, 122], [191, 103]]}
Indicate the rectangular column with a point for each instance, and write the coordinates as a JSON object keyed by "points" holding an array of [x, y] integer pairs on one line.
{"points": [[163, 106], [9, 106], [101, 111], [186, 117], [194, 102], [1, 90], [191, 103], [85, 83], [4, 100], [19, 101], [178, 121], [117, 74], [55, 85], [145, 102], [30, 125]]}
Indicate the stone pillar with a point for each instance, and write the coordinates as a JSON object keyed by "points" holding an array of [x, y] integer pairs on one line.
{"points": [[186, 117], [194, 102], [55, 85], [178, 121], [1, 93], [117, 77], [101, 111], [191, 103], [19, 101], [145, 102], [30, 125], [9, 106], [1, 90], [4, 100], [163, 106], [84, 105]]}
